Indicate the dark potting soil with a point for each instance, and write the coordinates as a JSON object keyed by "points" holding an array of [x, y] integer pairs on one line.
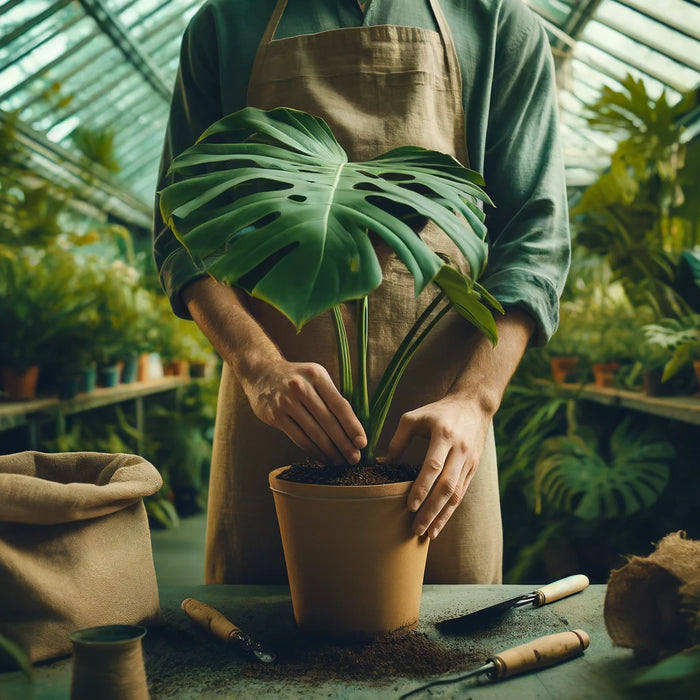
{"points": [[404, 654], [350, 475]]}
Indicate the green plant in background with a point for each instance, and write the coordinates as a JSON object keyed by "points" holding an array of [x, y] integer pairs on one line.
{"points": [[16, 654], [268, 202], [576, 474], [97, 146], [679, 339], [676, 676], [643, 212], [29, 207], [124, 311], [40, 299]]}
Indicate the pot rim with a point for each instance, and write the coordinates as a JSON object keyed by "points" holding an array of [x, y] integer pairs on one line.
{"points": [[294, 489]]}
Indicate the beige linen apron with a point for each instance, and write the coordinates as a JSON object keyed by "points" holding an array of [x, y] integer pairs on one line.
{"points": [[378, 87]]}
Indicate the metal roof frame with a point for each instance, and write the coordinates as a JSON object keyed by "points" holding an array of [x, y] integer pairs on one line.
{"points": [[94, 50]]}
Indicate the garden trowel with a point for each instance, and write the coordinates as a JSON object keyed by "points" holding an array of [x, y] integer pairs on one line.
{"points": [[215, 622], [532, 656], [547, 594]]}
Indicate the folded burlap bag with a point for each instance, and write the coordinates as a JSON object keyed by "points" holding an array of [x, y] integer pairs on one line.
{"points": [[75, 546], [652, 604]]}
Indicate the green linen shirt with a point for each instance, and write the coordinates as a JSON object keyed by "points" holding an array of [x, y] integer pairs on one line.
{"points": [[510, 106]]}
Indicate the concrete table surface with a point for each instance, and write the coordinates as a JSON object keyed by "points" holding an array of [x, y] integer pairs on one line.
{"points": [[183, 662]]}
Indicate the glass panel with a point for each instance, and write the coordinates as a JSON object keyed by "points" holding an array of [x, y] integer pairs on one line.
{"points": [[650, 62], [608, 64], [681, 14], [555, 11], [22, 12], [647, 31]]}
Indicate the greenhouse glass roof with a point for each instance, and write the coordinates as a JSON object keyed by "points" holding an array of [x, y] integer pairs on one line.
{"points": [[109, 65]]}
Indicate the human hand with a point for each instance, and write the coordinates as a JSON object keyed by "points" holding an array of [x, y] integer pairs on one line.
{"points": [[456, 429], [301, 400]]}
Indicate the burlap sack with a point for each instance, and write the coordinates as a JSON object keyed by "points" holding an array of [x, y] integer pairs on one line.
{"points": [[75, 546], [652, 604]]}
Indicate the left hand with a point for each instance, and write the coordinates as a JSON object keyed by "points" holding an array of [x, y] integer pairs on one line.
{"points": [[456, 429]]}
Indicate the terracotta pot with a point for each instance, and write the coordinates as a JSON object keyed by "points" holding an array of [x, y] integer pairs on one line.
{"points": [[696, 367], [604, 373], [177, 368], [20, 386], [355, 568], [562, 367], [144, 370]]}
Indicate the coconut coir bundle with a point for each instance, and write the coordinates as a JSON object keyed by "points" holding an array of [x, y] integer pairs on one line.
{"points": [[652, 604]]}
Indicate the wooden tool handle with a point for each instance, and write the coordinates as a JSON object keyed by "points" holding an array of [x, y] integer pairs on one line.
{"points": [[542, 652], [211, 619], [560, 589]]}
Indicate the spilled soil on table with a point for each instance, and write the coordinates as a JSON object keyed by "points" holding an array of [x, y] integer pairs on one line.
{"points": [[401, 654]]}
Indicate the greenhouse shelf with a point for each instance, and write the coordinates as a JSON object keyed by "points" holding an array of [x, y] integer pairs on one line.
{"points": [[679, 408], [28, 413]]}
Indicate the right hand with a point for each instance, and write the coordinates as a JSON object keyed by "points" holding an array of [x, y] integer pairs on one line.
{"points": [[301, 400]]}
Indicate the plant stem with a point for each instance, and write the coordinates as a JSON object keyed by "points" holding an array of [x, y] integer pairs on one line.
{"points": [[390, 379], [344, 364], [361, 397]]}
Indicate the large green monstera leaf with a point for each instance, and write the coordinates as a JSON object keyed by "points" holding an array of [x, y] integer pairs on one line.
{"points": [[268, 201], [573, 475]]}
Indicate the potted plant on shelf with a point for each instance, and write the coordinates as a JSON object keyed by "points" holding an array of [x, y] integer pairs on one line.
{"points": [[680, 338], [284, 167], [565, 346], [39, 301]]}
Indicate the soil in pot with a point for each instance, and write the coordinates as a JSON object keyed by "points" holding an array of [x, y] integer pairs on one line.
{"points": [[346, 475]]}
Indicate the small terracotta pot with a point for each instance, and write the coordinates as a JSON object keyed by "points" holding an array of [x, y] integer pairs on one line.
{"points": [[355, 568], [108, 663], [144, 370], [20, 386], [177, 368], [562, 367], [604, 373]]}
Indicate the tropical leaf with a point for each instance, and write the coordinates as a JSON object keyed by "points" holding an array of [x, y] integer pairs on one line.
{"points": [[573, 475], [17, 654], [268, 201], [682, 666]]}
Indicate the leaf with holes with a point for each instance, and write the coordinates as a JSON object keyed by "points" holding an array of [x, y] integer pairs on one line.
{"points": [[573, 475], [269, 202]]}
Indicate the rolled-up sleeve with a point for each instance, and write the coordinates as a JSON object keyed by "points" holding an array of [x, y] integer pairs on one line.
{"points": [[195, 105], [530, 249]]}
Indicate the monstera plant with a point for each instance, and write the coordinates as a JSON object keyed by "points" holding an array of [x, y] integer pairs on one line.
{"points": [[268, 201], [573, 472]]}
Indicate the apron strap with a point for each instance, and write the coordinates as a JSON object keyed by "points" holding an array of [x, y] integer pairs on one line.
{"points": [[455, 73], [258, 67], [274, 21], [448, 42]]}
